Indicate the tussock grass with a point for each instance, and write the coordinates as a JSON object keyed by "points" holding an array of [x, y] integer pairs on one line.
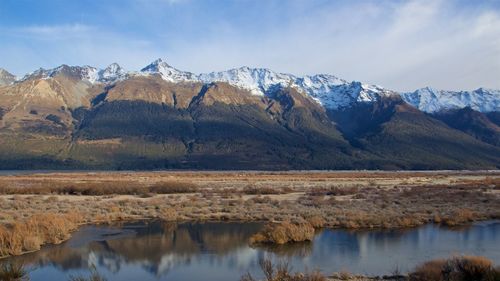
{"points": [[323, 199], [285, 232], [462, 268], [30, 234], [261, 190], [13, 272], [99, 188]]}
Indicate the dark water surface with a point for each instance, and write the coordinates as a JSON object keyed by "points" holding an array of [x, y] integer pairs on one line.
{"points": [[219, 251]]}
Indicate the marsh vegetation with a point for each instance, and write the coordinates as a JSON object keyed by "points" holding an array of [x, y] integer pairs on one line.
{"points": [[46, 208]]}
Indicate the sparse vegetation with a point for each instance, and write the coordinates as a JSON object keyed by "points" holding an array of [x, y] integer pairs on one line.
{"points": [[464, 268], [316, 199], [13, 272], [285, 232], [30, 234], [99, 188]]}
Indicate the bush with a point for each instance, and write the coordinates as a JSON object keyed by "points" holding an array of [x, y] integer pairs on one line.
{"points": [[30, 234], [13, 272], [254, 190], [173, 187], [465, 268], [102, 188], [316, 221], [283, 233]]}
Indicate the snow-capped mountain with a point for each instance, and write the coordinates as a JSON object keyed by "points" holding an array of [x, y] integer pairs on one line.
{"points": [[328, 90], [335, 93], [256, 80], [202, 124], [83, 72], [168, 73], [432, 100], [6, 78], [110, 74]]}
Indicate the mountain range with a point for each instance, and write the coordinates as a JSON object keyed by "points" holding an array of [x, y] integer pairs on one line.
{"points": [[82, 117]]}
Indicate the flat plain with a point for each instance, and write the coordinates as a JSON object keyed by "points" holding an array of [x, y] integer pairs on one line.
{"points": [[43, 208]]}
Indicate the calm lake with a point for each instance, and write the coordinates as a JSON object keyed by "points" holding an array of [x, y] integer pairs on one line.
{"points": [[220, 251]]}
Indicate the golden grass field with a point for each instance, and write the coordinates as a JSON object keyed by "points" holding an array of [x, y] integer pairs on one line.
{"points": [[45, 208]]}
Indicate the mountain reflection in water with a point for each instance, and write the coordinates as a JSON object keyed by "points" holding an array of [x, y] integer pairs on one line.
{"points": [[220, 251]]}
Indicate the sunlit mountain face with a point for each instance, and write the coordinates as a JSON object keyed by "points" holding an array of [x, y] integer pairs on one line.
{"points": [[242, 118]]}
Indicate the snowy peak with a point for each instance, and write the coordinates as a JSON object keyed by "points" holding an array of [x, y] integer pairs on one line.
{"points": [[256, 80], [6, 78], [431, 100], [78, 72], [167, 72], [112, 73], [327, 90], [336, 93]]}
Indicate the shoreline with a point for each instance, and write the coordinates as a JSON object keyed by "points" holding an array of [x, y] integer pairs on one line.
{"points": [[148, 220]]}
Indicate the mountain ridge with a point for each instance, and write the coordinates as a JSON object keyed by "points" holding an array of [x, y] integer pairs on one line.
{"points": [[328, 90], [244, 118]]}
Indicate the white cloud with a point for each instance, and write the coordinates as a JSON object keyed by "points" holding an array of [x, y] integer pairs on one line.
{"points": [[400, 45], [50, 30]]}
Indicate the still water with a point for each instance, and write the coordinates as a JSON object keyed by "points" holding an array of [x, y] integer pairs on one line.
{"points": [[219, 251]]}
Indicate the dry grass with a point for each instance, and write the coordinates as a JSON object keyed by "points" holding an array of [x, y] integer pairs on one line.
{"points": [[257, 190], [98, 188], [321, 199], [283, 233], [13, 272], [464, 268], [30, 234]]}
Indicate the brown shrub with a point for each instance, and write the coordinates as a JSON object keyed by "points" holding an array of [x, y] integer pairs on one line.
{"points": [[101, 188], [254, 190], [13, 272], [333, 191], [431, 270], [170, 187], [459, 217], [30, 234], [464, 268], [316, 221], [168, 214], [283, 233]]}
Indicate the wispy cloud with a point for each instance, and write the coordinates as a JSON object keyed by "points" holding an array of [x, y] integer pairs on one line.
{"points": [[64, 29], [401, 45]]}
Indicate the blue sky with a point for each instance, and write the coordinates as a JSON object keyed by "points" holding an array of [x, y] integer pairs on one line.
{"points": [[400, 45]]}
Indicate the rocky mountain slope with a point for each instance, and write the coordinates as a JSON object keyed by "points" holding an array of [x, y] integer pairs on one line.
{"points": [[6, 78], [244, 118]]}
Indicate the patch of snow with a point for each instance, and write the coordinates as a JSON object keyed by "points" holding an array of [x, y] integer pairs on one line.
{"points": [[112, 73], [327, 90], [168, 73], [431, 100], [256, 80]]}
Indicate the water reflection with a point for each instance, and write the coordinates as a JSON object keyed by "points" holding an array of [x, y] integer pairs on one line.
{"points": [[220, 251]]}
